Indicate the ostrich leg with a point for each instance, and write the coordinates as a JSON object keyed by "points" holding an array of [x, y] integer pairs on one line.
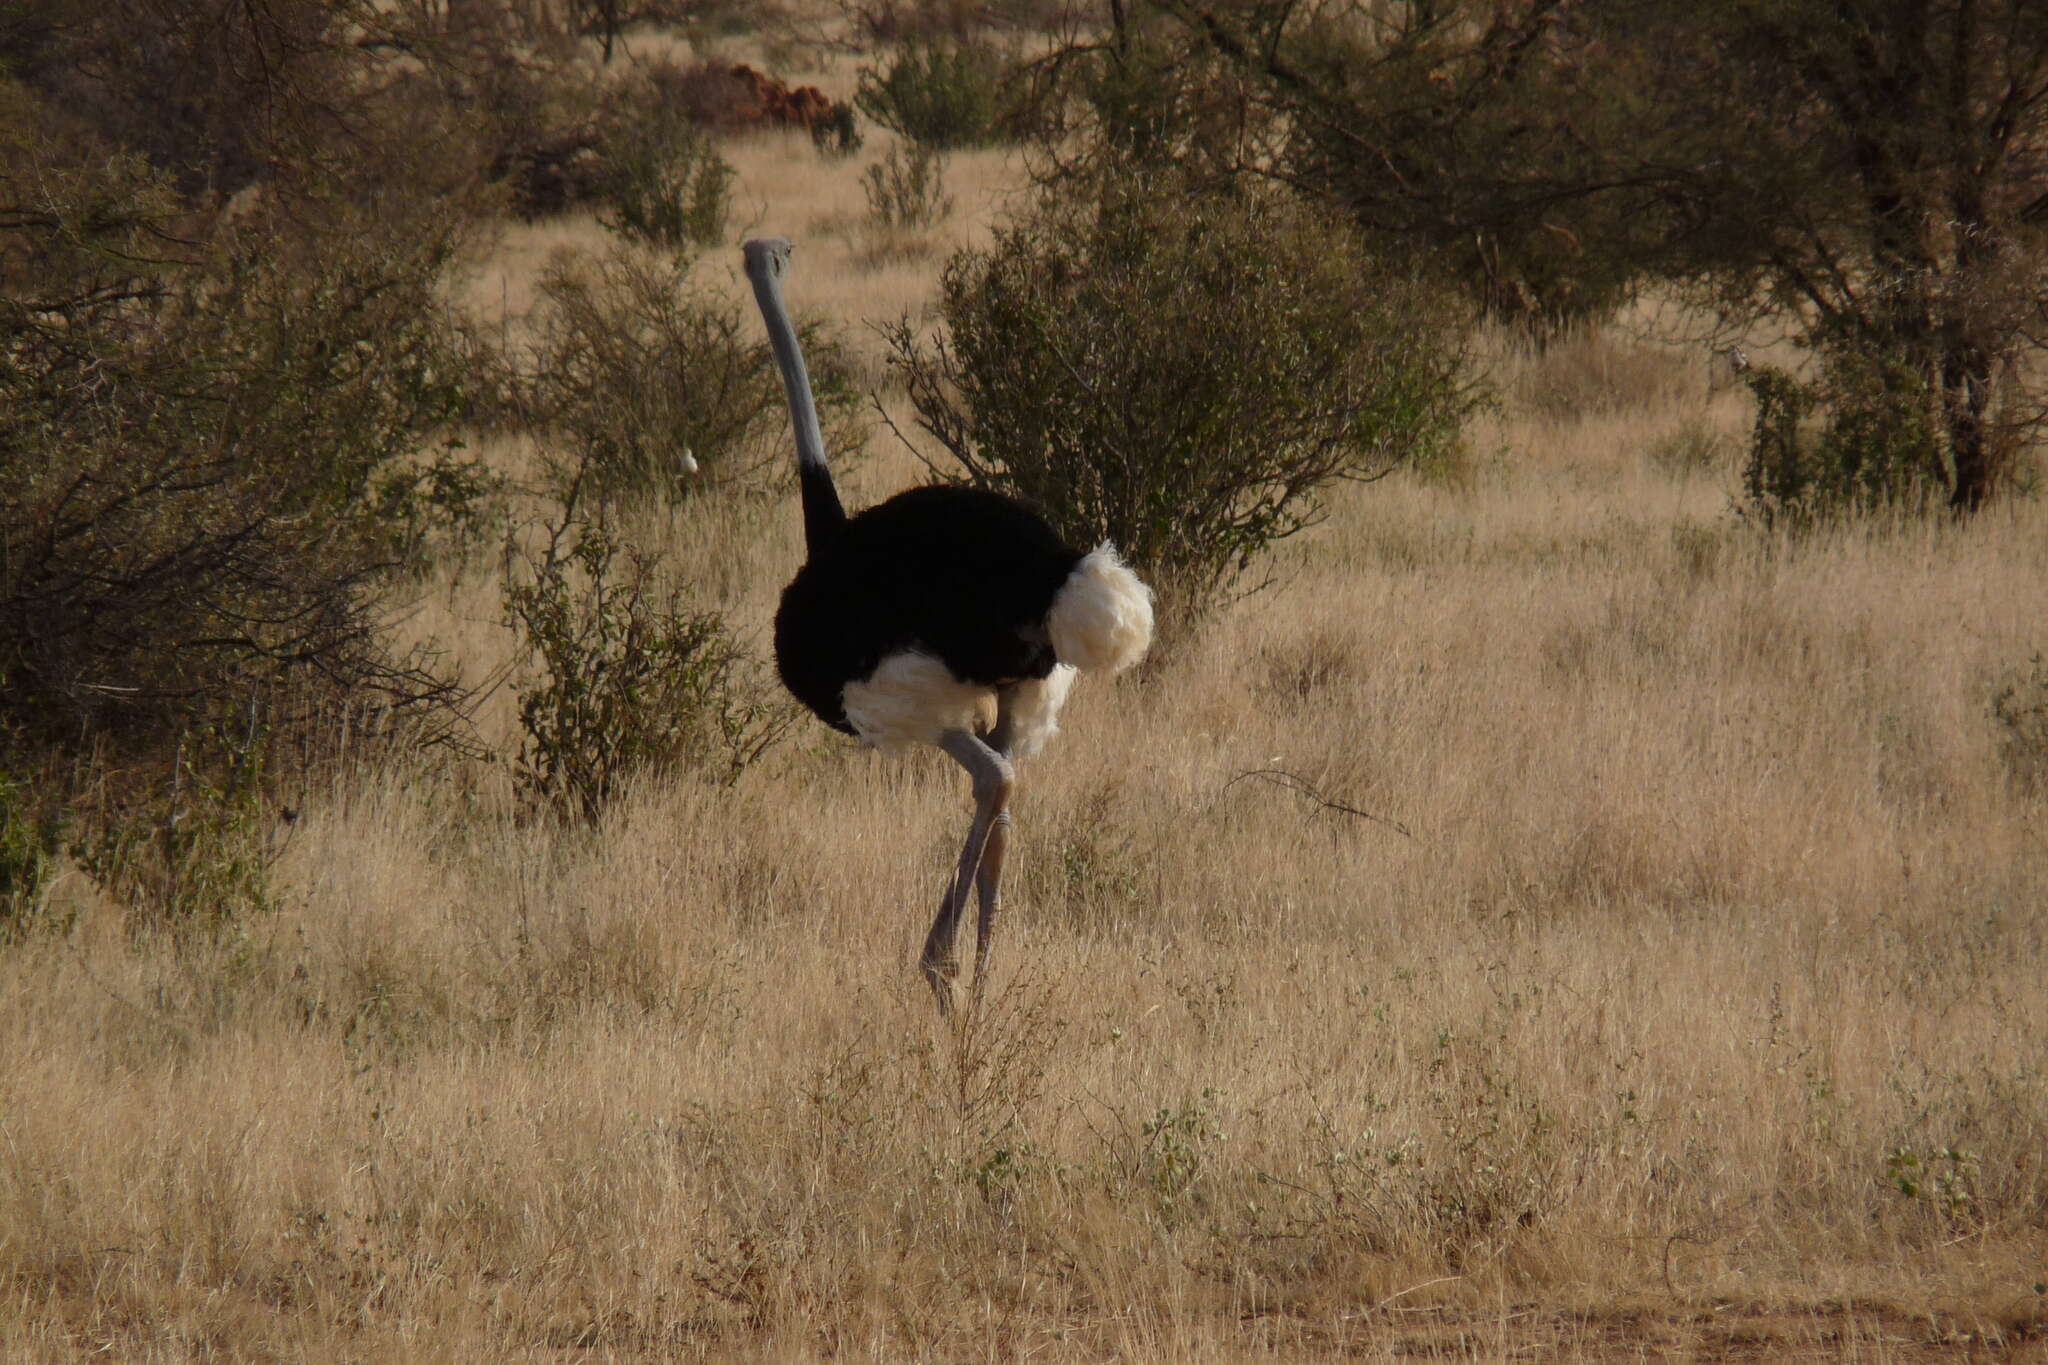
{"points": [[993, 778], [988, 880]]}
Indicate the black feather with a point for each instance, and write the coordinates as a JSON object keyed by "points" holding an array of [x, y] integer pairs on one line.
{"points": [[823, 516], [964, 575]]}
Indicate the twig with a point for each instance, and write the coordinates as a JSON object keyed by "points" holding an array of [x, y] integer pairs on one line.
{"points": [[1293, 782], [1404, 1293]]}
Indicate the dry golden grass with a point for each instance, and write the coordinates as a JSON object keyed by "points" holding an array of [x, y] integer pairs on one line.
{"points": [[1537, 927]]}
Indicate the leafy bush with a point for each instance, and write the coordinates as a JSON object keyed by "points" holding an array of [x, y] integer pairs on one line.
{"points": [[28, 845], [1182, 375], [209, 91], [629, 680], [193, 461], [1148, 93], [1856, 439], [215, 432], [221, 96], [945, 93], [655, 384], [665, 181], [906, 189], [194, 850], [838, 134], [442, 510]]}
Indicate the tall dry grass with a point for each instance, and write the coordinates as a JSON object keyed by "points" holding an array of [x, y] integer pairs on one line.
{"points": [[1553, 919]]}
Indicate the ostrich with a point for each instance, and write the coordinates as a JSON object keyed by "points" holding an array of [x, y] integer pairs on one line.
{"points": [[919, 619]]}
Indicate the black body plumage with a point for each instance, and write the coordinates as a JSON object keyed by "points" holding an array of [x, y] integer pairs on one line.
{"points": [[964, 575]]}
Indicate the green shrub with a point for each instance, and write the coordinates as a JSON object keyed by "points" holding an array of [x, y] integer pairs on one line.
{"points": [[651, 383], [193, 850], [665, 181], [1153, 94], [838, 134], [627, 679], [1182, 375], [1861, 437], [906, 189], [945, 93], [195, 458], [29, 838], [220, 437], [443, 509]]}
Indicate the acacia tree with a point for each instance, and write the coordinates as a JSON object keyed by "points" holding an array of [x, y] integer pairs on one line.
{"points": [[1877, 170]]}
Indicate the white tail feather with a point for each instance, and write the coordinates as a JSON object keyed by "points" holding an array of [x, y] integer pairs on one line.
{"points": [[1102, 616]]}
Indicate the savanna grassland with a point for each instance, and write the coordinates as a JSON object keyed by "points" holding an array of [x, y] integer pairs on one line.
{"points": [[1555, 918]]}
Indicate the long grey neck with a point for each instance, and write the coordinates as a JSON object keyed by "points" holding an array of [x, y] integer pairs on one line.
{"points": [[767, 260]]}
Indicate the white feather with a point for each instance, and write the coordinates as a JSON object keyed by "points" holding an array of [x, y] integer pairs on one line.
{"points": [[1102, 616], [911, 698], [1035, 710]]}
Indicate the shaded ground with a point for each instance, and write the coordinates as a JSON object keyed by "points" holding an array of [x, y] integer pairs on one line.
{"points": [[1853, 1332]]}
